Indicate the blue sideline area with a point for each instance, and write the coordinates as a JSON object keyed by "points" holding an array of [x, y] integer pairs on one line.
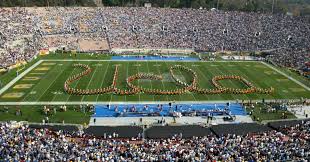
{"points": [[157, 58], [140, 110]]}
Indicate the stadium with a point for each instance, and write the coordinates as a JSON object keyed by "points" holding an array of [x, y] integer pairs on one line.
{"points": [[141, 81]]}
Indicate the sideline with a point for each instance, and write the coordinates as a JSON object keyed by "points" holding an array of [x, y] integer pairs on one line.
{"points": [[94, 60], [289, 77], [142, 102], [7, 86]]}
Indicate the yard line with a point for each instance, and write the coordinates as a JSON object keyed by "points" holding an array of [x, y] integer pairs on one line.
{"points": [[106, 70], [126, 77], [284, 74], [111, 95], [247, 70], [148, 70], [143, 60], [136, 102], [52, 83], [7, 86], [138, 84], [76, 86], [48, 85], [90, 81], [188, 91], [167, 99], [233, 96], [68, 76], [244, 95], [206, 77]]}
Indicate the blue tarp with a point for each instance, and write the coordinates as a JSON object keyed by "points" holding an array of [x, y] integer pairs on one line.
{"points": [[159, 58], [142, 110]]}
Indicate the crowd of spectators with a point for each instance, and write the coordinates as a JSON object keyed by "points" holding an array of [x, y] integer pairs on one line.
{"points": [[290, 57], [17, 39], [150, 28], [21, 143]]}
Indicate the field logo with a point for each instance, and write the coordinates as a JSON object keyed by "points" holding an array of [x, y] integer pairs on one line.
{"points": [[31, 78], [282, 80], [22, 86], [270, 72], [48, 63], [36, 73], [57, 92], [33, 92], [42, 68], [13, 95], [97, 65], [297, 89]]}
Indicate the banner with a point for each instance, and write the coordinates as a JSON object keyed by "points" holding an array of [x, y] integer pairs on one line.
{"points": [[43, 52], [18, 64], [2, 70], [73, 51]]}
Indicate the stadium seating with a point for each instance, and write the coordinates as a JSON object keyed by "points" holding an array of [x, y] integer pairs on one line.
{"points": [[104, 29], [171, 143]]}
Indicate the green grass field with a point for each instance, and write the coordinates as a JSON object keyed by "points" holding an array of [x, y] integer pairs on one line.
{"points": [[45, 82], [34, 113], [259, 113]]}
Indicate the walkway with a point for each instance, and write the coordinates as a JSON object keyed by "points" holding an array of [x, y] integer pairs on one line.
{"points": [[125, 121]]}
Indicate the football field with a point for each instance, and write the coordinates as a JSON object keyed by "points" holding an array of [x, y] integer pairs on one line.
{"points": [[44, 81]]}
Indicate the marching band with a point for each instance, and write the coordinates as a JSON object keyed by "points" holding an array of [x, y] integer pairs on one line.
{"points": [[187, 87]]}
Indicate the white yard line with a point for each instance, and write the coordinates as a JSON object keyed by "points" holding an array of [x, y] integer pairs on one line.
{"points": [[289, 77], [138, 84], [246, 69], [232, 82], [126, 78], [141, 60], [75, 87], [185, 81], [162, 81], [203, 75], [137, 102], [106, 70], [64, 92], [6, 87], [111, 96], [232, 95], [148, 70], [92, 76], [49, 84]]}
